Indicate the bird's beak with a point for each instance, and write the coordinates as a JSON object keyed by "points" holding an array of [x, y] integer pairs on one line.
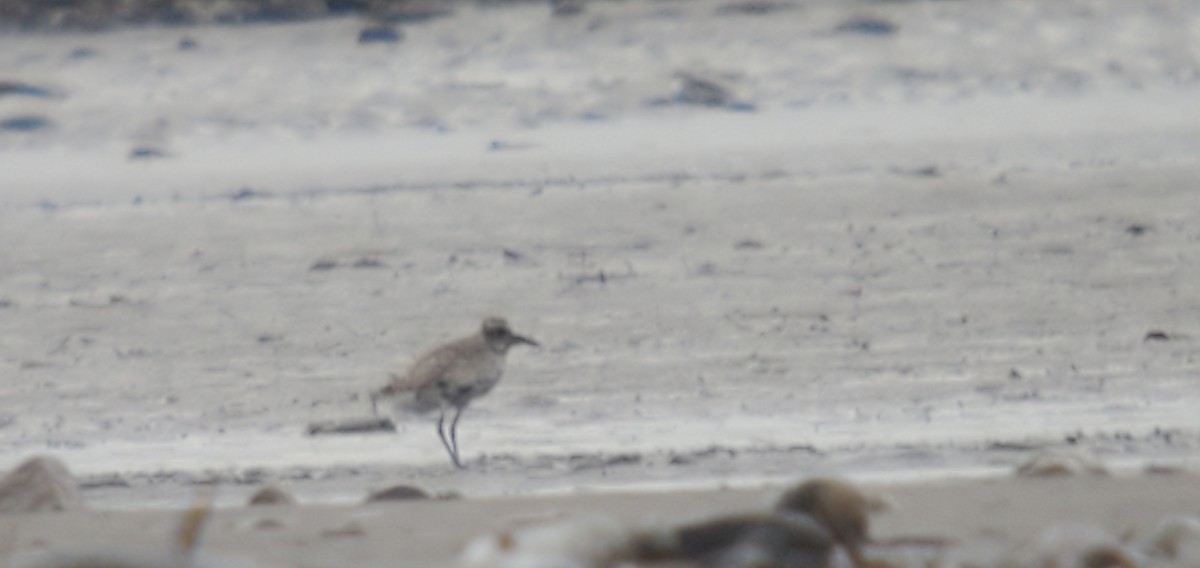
{"points": [[525, 340]]}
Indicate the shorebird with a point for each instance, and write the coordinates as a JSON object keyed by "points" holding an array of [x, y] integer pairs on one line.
{"points": [[451, 376]]}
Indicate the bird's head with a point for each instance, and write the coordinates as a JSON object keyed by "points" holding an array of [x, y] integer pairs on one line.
{"points": [[500, 337]]}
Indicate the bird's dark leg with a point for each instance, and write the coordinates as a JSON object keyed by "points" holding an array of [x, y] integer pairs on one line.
{"points": [[453, 451], [454, 430]]}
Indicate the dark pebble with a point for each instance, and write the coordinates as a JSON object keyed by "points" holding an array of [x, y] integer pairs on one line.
{"points": [[380, 34], [24, 123]]}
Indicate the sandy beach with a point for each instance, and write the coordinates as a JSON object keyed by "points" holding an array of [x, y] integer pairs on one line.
{"points": [[911, 244], [977, 522]]}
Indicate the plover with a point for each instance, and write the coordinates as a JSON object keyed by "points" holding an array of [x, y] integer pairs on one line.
{"points": [[451, 376]]}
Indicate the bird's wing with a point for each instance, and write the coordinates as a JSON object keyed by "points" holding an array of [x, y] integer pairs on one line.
{"points": [[441, 363]]}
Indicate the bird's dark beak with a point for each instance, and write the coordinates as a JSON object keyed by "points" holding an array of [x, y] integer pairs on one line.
{"points": [[525, 340]]}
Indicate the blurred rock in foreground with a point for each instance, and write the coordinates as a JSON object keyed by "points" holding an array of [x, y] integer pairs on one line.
{"points": [[41, 483]]}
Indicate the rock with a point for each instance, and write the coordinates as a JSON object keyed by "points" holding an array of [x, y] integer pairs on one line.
{"points": [[785, 539], [409, 11], [838, 505], [1176, 539], [100, 14], [380, 33], [271, 496], [281, 10], [398, 493], [754, 7], [24, 123], [866, 25], [705, 91], [1156, 335], [25, 90], [1060, 464], [1073, 546], [146, 153], [576, 542], [41, 483], [562, 8]]}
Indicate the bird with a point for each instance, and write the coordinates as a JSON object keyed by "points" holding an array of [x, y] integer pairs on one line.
{"points": [[451, 376]]}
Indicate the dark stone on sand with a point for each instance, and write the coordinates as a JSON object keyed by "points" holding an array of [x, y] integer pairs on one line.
{"points": [[838, 505], [410, 11], [247, 193], [145, 153], [866, 25], [1060, 464], [356, 426], [280, 10], [1156, 335], [754, 7], [347, 6], [566, 7], [380, 33], [697, 90], [24, 89], [368, 262], [41, 483], [97, 14], [323, 265], [756, 540], [271, 496], [398, 493], [82, 53], [187, 44], [1137, 230], [24, 123]]}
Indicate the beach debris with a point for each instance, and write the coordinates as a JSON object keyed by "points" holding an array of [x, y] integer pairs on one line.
{"points": [[351, 529], [248, 193], [754, 7], [40, 483], [579, 542], [146, 153], [351, 426], [697, 89], [380, 32], [409, 11], [785, 539], [563, 8], [25, 89], [271, 495], [866, 25], [1060, 464], [398, 493], [82, 53], [1137, 229], [1073, 546], [183, 552], [1175, 539], [26, 123], [838, 506], [1157, 335], [806, 527]]}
